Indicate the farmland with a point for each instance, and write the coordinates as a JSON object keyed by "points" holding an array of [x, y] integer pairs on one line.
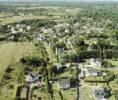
{"points": [[12, 52]]}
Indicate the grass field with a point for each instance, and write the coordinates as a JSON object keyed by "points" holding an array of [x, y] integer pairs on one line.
{"points": [[12, 52], [14, 19]]}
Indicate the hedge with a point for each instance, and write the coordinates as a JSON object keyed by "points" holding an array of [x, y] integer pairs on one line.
{"points": [[96, 54], [94, 79]]}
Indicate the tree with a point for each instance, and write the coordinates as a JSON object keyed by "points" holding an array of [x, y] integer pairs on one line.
{"points": [[52, 70]]}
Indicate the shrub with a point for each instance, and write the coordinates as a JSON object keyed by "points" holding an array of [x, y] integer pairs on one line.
{"points": [[8, 69], [94, 79]]}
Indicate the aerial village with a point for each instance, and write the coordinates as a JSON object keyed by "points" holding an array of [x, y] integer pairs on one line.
{"points": [[64, 58]]}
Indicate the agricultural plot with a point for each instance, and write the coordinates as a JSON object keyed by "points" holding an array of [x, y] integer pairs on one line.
{"points": [[12, 52]]}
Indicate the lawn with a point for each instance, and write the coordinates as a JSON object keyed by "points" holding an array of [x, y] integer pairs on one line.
{"points": [[87, 93], [70, 94], [14, 19]]}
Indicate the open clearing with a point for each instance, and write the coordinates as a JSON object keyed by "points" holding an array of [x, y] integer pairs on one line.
{"points": [[12, 52], [14, 19]]}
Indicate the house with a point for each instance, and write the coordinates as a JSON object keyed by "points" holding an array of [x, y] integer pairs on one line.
{"points": [[92, 71], [107, 92], [66, 30], [89, 71], [40, 37], [95, 62], [60, 67], [64, 84], [59, 51], [99, 94], [32, 77]]}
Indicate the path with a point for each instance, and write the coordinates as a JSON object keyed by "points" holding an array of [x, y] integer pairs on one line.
{"points": [[51, 55]]}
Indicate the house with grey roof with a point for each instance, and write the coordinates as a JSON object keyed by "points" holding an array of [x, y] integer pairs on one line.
{"points": [[99, 94], [64, 84], [92, 71]]}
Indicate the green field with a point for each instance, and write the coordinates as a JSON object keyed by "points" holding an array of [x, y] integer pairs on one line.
{"points": [[12, 52]]}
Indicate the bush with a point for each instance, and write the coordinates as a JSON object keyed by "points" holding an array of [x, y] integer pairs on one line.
{"points": [[8, 69], [32, 60], [94, 79]]}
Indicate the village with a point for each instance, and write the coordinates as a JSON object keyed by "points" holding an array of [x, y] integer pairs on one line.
{"points": [[74, 58]]}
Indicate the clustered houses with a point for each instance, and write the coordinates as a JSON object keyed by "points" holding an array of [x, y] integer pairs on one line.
{"points": [[19, 28], [58, 38], [14, 31], [39, 37]]}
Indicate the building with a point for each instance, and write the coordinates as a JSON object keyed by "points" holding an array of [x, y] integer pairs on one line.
{"points": [[32, 77], [64, 84], [107, 92], [99, 94], [95, 62], [102, 94], [92, 71]]}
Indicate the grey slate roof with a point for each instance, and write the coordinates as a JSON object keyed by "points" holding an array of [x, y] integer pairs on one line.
{"points": [[64, 82]]}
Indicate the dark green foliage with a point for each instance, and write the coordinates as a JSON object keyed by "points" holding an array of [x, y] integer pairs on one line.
{"points": [[89, 54], [61, 96], [35, 61], [8, 69]]}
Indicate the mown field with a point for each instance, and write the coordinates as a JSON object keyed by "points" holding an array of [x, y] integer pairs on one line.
{"points": [[12, 52], [13, 19]]}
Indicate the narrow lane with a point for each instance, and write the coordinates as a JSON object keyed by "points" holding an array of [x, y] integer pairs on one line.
{"points": [[51, 55]]}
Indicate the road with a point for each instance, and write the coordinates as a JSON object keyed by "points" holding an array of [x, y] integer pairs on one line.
{"points": [[81, 86], [85, 89]]}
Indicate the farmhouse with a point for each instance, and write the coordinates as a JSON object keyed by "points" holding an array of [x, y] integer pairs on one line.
{"points": [[64, 84]]}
